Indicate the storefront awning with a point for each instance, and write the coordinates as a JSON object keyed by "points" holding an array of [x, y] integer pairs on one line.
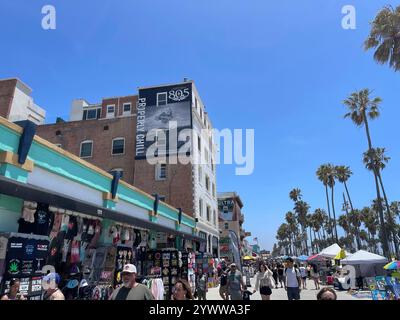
{"points": [[32, 193]]}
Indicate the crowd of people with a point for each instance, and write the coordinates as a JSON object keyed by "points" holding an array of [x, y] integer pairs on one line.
{"points": [[232, 286]]}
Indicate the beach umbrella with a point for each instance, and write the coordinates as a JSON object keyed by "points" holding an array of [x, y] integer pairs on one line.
{"points": [[248, 258], [303, 258], [315, 257], [394, 265]]}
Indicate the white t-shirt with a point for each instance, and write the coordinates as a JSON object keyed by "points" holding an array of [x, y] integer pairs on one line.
{"points": [[303, 272], [292, 274]]}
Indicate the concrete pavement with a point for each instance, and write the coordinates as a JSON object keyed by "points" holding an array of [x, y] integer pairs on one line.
{"points": [[280, 294]]}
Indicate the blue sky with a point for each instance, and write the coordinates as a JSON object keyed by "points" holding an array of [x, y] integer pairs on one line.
{"points": [[280, 67]]}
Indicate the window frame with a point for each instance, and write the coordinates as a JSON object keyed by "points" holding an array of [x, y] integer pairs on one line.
{"points": [[201, 207], [166, 99], [158, 171], [91, 149], [110, 114], [112, 147], [208, 213], [124, 113]]}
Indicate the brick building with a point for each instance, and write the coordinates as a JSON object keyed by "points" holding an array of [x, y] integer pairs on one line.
{"points": [[231, 219], [109, 135]]}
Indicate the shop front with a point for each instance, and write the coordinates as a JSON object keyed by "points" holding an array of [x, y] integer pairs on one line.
{"points": [[60, 213]]}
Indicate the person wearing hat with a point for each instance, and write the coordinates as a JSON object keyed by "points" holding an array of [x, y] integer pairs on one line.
{"points": [[50, 283], [131, 290], [235, 283]]}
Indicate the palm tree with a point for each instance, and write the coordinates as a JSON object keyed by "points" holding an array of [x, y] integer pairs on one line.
{"points": [[385, 37], [309, 221], [291, 221], [322, 174], [295, 194], [361, 108], [375, 160], [331, 172]]}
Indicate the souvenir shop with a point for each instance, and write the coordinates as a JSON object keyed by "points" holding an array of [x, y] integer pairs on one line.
{"points": [[89, 254], [60, 213]]}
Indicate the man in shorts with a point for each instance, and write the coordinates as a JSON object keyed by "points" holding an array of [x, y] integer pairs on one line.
{"points": [[223, 281]]}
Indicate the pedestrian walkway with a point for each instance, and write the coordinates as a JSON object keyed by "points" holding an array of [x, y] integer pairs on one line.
{"points": [[280, 294]]}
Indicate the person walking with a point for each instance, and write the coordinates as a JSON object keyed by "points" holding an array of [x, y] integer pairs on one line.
{"points": [[201, 286], [315, 276], [303, 273], [292, 281], [14, 293], [182, 290], [223, 281], [264, 282], [280, 274], [235, 283], [131, 290], [275, 274]]}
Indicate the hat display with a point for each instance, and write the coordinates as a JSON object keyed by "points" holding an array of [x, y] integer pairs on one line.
{"points": [[129, 268]]}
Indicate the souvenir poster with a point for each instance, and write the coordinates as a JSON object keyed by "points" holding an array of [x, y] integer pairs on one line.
{"points": [[371, 283], [380, 283], [124, 255]]}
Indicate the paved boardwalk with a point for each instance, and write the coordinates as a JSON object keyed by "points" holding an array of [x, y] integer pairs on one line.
{"points": [[280, 294]]}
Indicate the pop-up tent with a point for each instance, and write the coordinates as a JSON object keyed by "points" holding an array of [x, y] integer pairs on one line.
{"points": [[364, 257], [331, 251]]}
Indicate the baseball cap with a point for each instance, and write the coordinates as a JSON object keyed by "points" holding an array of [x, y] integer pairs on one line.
{"points": [[52, 276], [129, 268], [83, 283], [72, 284]]}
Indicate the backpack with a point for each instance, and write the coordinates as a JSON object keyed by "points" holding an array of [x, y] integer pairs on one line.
{"points": [[223, 280]]}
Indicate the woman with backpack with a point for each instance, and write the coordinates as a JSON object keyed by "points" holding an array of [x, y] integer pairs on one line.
{"points": [[264, 282]]}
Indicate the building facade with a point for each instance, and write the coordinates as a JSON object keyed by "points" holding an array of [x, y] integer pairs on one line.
{"points": [[113, 135], [16, 103], [232, 233]]}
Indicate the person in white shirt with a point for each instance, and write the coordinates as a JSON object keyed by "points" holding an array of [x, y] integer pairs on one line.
{"points": [[303, 272], [292, 280], [264, 282]]}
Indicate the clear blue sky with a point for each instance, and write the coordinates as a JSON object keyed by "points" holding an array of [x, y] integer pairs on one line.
{"points": [[280, 67]]}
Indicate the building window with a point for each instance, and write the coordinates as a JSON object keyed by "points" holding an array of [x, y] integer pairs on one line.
{"points": [[90, 114], [226, 226], [215, 218], [201, 113], [161, 99], [127, 109], [207, 183], [195, 103], [161, 138], [201, 208], [199, 143], [214, 191], [86, 149], [206, 155], [118, 146], [208, 213], [161, 171], [110, 111], [200, 174]]}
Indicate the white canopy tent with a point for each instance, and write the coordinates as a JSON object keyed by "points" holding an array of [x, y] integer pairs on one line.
{"points": [[331, 251], [364, 257]]}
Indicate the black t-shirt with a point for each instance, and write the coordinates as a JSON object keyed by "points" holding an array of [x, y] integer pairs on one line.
{"points": [[14, 257], [55, 254], [72, 231], [25, 227], [44, 220]]}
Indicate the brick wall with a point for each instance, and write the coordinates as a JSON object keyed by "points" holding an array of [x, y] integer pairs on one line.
{"points": [[7, 88], [178, 187], [73, 133]]}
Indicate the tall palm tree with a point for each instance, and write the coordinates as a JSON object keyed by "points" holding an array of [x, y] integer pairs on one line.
{"points": [[331, 172], [322, 174], [375, 160], [385, 37], [361, 108], [291, 221], [301, 208], [309, 221]]}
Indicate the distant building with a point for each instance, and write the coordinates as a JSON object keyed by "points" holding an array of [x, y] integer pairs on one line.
{"points": [[232, 234], [16, 103]]}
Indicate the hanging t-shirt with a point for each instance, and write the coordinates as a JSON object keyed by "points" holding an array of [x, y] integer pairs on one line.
{"points": [[25, 227], [55, 254], [43, 220], [28, 257], [56, 225], [41, 253], [72, 228]]}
